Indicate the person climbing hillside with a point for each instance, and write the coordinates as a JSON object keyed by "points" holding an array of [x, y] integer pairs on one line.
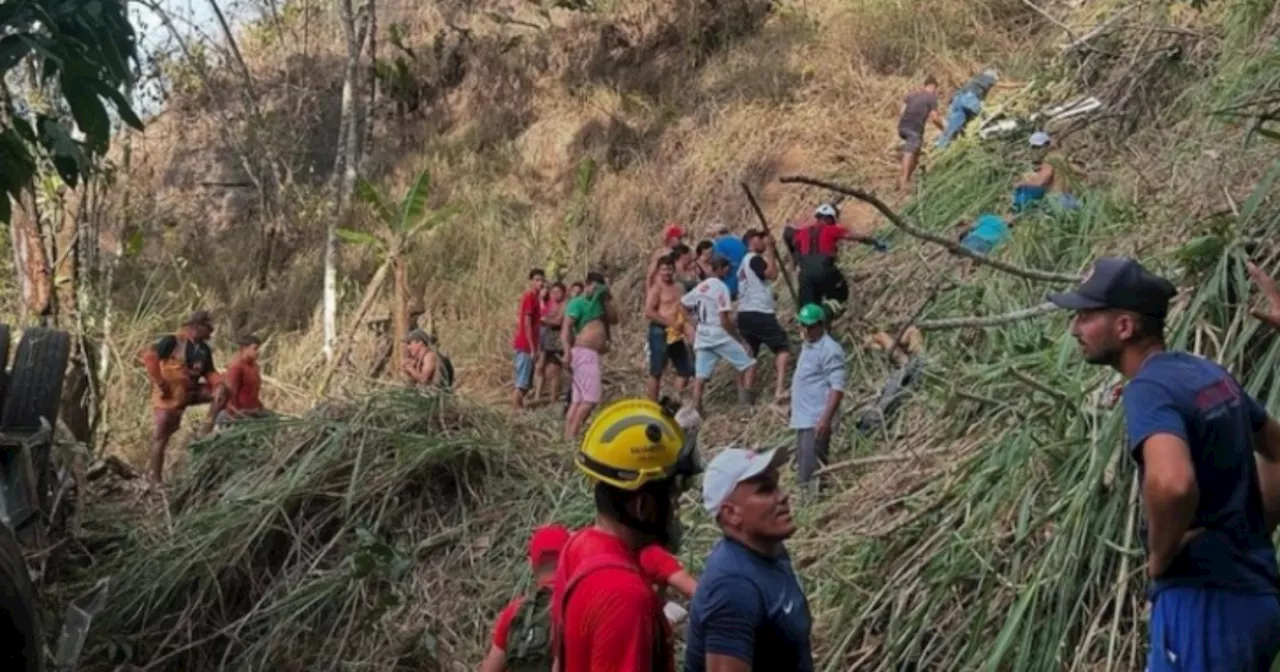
{"points": [[750, 612], [550, 348], [710, 307], [918, 108], [731, 248], [584, 335], [1208, 458], [967, 104], [424, 365], [757, 321], [1049, 176], [814, 246], [666, 335], [986, 233], [180, 368], [672, 236], [817, 388], [605, 612], [526, 338], [239, 392]]}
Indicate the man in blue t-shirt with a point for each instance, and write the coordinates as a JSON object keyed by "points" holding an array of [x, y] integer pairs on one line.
{"points": [[731, 247], [1210, 505], [749, 612]]}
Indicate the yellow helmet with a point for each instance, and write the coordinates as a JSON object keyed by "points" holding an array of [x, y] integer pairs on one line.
{"points": [[630, 443]]}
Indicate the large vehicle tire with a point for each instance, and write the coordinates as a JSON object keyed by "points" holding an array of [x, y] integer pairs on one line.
{"points": [[4, 361], [20, 641], [35, 392]]}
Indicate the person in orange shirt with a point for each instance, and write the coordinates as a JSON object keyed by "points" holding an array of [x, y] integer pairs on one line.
{"points": [[180, 368], [239, 395]]}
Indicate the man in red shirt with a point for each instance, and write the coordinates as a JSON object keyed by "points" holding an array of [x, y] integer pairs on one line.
{"points": [[526, 337], [544, 555], [605, 612], [815, 247], [661, 567], [239, 394]]}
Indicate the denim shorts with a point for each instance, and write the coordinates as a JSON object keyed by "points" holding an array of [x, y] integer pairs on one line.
{"points": [[661, 352], [524, 371], [704, 359]]}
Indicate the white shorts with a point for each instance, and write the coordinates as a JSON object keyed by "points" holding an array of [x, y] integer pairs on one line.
{"points": [[704, 359]]}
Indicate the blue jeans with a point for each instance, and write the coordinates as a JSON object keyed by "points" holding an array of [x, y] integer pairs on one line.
{"points": [[1207, 630], [964, 106]]}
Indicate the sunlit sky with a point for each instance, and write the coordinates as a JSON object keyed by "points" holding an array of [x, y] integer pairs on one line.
{"points": [[193, 19]]}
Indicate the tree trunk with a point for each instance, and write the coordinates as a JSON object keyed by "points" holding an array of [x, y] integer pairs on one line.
{"points": [[370, 293], [30, 261], [399, 311], [366, 137], [346, 165]]}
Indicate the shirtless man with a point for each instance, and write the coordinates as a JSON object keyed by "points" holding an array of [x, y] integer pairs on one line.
{"points": [[671, 237], [585, 336], [666, 330], [423, 366]]}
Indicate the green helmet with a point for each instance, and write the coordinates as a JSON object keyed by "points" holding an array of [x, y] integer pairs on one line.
{"points": [[811, 314]]}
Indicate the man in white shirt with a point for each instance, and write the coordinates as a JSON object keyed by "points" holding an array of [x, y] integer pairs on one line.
{"points": [[816, 391], [757, 321], [709, 305]]}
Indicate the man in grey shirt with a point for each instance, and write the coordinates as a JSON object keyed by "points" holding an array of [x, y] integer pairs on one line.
{"points": [[816, 391], [920, 106], [967, 103]]}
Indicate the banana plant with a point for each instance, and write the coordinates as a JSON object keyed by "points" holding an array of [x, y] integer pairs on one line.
{"points": [[400, 226]]}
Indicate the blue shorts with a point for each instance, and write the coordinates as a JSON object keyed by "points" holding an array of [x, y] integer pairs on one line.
{"points": [[1207, 630], [661, 352], [524, 371], [704, 359], [1024, 195]]}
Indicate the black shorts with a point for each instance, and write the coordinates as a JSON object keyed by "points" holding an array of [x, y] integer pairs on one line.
{"points": [[763, 328]]}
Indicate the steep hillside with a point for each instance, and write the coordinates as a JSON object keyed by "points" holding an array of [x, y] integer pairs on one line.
{"points": [[990, 525]]}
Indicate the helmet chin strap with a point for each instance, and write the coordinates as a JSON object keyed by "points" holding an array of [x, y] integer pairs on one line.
{"points": [[665, 530]]}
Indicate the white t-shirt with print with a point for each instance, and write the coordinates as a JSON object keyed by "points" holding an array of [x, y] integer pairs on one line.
{"points": [[754, 293], [707, 301]]}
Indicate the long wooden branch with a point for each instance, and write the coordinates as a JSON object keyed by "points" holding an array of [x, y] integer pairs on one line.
{"points": [[987, 320], [957, 248]]}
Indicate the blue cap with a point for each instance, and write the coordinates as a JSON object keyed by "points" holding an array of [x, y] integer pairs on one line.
{"points": [[1120, 283]]}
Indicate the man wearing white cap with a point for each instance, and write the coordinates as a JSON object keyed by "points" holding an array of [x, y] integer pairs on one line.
{"points": [[749, 612], [1051, 174], [815, 247]]}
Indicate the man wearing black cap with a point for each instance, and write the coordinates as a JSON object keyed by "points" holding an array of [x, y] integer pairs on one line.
{"points": [[1210, 505]]}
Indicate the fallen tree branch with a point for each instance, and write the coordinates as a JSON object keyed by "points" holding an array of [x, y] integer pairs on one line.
{"points": [[987, 320], [1097, 30], [953, 246]]}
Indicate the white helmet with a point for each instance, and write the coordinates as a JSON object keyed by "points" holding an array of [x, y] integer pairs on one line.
{"points": [[826, 210]]}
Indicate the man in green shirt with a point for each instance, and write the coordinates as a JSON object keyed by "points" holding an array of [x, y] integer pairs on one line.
{"points": [[585, 336]]}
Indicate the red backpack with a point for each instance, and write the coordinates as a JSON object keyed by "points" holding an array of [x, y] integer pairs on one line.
{"points": [[662, 651]]}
